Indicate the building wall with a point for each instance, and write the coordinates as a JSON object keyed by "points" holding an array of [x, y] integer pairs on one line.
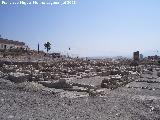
{"points": [[9, 46], [141, 56], [136, 56]]}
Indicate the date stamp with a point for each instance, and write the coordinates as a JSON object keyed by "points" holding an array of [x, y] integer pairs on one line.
{"points": [[25, 3]]}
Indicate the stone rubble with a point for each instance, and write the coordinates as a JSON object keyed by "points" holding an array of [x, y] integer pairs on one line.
{"points": [[79, 89], [59, 73]]}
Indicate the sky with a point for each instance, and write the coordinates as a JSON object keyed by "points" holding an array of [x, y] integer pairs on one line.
{"points": [[89, 27]]}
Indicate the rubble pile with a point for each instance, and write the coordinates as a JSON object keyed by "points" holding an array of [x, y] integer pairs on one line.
{"points": [[57, 73]]}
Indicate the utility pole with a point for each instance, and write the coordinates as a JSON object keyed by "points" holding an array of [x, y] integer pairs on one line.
{"points": [[69, 51], [38, 48]]}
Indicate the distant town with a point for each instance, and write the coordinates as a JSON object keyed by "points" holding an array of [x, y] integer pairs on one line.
{"points": [[12, 45]]}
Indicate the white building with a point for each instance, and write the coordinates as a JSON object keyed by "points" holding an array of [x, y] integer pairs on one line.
{"points": [[6, 44]]}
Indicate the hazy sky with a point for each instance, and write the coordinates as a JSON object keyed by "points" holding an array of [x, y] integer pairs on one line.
{"points": [[89, 28]]}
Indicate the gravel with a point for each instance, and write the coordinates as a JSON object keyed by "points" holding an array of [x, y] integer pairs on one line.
{"points": [[33, 101], [120, 104]]}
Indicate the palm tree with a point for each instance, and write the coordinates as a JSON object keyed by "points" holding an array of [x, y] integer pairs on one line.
{"points": [[47, 46]]}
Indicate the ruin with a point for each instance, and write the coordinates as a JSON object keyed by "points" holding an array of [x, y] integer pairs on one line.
{"points": [[71, 79]]}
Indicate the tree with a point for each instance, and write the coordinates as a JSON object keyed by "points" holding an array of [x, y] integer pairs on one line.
{"points": [[47, 46]]}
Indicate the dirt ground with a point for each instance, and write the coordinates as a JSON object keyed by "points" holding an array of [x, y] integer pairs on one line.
{"points": [[135, 101]]}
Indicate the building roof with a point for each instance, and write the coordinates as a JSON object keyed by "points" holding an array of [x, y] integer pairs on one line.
{"points": [[6, 41]]}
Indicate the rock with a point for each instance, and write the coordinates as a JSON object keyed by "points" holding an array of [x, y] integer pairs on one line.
{"points": [[30, 86], [154, 109], [134, 63], [79, 77], [106, 82], [26, 71], [99, 73], [84, 85], [106, 73], [115, 72], [61, 84], [2, 75], [93, 93], [98, 70], [78, 89], [112, 82], [87, 71], [150, 69], [157, 69], [19, 77], [10, 117], [158, 74], [93, 74], [116, 77], [72, 72], [124, 73]]}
